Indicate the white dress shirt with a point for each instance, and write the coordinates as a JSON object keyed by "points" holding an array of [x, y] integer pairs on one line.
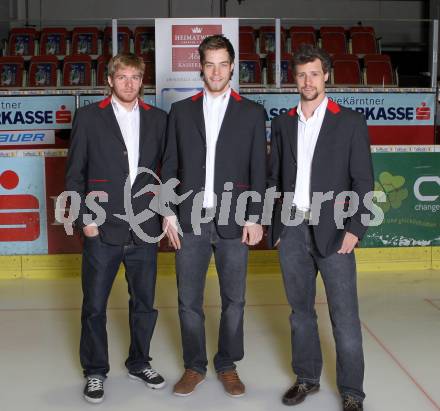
{"points": [[129, 124], [308, 132], [214, 109]]}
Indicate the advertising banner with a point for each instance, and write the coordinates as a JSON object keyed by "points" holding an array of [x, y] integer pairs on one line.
{"points": [[27, 138], [177, 59], [85, 100], [36, 112], [35, 121], [392, 118], [23, 222], [411, 183], [58, 241]]}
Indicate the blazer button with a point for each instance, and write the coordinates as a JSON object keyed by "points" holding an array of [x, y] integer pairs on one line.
{"points": [[125, 153], [203, 167], [202, 188]]}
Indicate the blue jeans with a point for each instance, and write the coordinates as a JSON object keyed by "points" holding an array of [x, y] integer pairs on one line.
{"points": [[192, 262], [100, 264], [300, 262]]}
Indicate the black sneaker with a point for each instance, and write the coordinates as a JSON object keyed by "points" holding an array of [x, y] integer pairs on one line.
{"points": [[298, 393], [150, 376], [351, 404], [94, 390]]}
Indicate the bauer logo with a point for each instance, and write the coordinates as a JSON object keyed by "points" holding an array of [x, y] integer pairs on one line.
{"points": [[23, 138]]}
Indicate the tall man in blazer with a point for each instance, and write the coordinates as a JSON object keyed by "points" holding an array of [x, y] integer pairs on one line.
{"points": [[109, 141], [319, 150], [216, 147]]}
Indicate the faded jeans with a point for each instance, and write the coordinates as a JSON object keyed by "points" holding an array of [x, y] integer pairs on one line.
{"points": [[300, 262], [192, 262]]}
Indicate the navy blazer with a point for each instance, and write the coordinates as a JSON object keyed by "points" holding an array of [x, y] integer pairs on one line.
{"points": [[240, 156], [98, 161], [341, 162]]}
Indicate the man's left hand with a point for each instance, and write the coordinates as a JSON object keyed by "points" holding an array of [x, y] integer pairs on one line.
{"points": [[252, 234], [348, 244]]}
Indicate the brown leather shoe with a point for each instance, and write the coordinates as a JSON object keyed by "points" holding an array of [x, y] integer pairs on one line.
{"points": [[188, 383], [231, 383]]}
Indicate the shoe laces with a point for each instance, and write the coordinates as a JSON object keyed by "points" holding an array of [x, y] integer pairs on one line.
{"points": [[190, 374], [94, 384], [350, 402], [150, 372], [302, 387], [230, 376]]}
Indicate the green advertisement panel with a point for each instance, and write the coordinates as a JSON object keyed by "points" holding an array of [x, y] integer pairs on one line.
{"points": [[411, 183]]}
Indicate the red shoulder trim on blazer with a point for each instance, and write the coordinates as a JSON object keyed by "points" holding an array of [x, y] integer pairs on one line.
{"points": [[333, 107], [292, 112], [144, 105], [197, 96], [235, 95], [104, 103]]}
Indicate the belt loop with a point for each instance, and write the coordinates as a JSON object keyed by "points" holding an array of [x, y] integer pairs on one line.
{"points": [[295, 212]]}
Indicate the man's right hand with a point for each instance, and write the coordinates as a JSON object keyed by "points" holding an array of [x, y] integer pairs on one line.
{"points": [[169, 227], [90, 230]]}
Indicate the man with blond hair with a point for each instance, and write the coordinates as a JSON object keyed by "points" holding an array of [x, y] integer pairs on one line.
{"points": [[109, 141]]}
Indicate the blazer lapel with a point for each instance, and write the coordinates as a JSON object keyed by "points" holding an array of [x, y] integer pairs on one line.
{"points": [[328, 124], [142, 129], [292, 130], [110, 119], [230, 119], [199, 117]]}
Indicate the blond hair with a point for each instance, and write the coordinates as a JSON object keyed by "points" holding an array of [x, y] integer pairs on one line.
{"points": [[124, 60]]}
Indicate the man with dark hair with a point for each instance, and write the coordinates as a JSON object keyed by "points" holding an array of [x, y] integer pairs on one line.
{"points": [[216, 42], [307, 54], [319, 150], [109, 141], [216, 142]]}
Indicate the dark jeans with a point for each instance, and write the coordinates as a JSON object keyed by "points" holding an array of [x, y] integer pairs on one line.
{"points": [[100, 264], [192, 262], [300, 261]]}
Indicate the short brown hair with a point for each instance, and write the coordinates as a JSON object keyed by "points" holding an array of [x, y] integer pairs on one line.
{"points": [[216, 42], [125, 60], [307, 53]]}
